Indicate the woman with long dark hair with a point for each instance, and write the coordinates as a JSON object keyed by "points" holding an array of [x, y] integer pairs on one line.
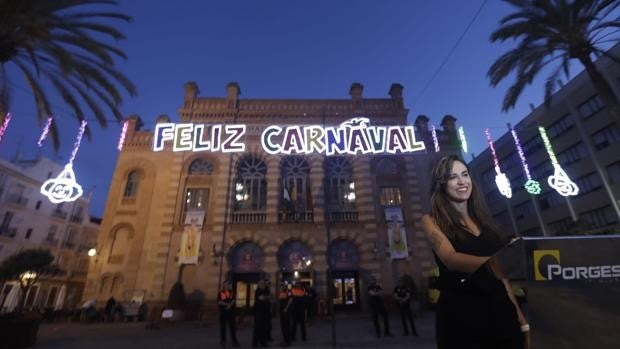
{"points": [[476, 307]]}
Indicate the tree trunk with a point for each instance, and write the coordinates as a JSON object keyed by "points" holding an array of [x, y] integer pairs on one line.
{"points": [[603, 88]]}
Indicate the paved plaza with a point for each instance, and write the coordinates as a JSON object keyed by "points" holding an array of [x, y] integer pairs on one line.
{"points": [[353, 331]]}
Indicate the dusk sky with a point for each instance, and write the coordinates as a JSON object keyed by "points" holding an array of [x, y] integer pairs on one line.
{"points": [[290, 49]]}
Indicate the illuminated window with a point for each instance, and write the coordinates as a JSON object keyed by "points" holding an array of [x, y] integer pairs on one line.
{"points": [[131, 186], [296, 183], [250, 190], [390, 196], [340, 184]]}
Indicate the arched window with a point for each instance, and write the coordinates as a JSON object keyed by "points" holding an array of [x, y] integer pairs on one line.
{"points": [[131, 186], [295, 194], [250, 191], [201, 167], [340, 184]]}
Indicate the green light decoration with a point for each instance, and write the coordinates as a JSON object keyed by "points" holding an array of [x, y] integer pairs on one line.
{"points": [[531, 186], [559, 180]]}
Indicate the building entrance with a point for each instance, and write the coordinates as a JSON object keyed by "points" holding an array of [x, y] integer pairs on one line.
{"points": [[244, 285]]}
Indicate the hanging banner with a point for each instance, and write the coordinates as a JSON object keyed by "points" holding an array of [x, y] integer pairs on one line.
{"points": [[190, 245], [397, 236], [195, 217]]}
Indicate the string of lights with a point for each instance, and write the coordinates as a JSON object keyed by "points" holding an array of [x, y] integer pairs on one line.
{"points": [[501, 180], [531, 186]]}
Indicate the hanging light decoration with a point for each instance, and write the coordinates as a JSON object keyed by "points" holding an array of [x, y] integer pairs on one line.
{"points": [[46, 130], [502, 182], [531, 186], [462, 138], [435, 139], [559, 180], [64, 187], [5, 124], [121, 140]]}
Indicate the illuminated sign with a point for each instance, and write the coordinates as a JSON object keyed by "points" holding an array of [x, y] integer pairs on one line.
{"points": [[354, 136], [559, 180], [553, 270], [501, 180], [63, 188]]}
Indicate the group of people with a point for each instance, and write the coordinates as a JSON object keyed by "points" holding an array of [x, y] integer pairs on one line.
{"points": [[403, 295], [295, 302]]}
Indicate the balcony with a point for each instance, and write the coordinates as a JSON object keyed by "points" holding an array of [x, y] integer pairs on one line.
{"points": [[342, 216], [76, 219], [59, 214], [7, 231], [16, 199], [50, 241], [249, 217], [297, 217]]}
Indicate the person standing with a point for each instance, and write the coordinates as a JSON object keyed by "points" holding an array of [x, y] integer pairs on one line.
{"points": [[310, 302], [377, 307], [476, 307], [262, 302], [108, 311], [269, 309], [299, 311], [285, 299], [402, 296], [226, 307]]}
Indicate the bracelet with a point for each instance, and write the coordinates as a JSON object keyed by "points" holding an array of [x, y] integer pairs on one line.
{"points": [[525, 328]]}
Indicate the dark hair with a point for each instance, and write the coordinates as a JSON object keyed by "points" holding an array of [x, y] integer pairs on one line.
{"points": [[445, 214]]}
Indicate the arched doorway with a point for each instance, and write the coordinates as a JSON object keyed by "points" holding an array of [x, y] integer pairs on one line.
{"points": [[344, 264], [295, 263], [246, 260]]}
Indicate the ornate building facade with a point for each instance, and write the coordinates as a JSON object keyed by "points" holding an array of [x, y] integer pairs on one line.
{"points": [[258, 214]]}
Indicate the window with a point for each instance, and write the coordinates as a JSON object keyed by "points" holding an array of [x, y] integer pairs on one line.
{"points": [[387, 167], [605, 137], [591, 106], [340, 185], [613, 172], [390, 196], [550, 199], [38, 205], [28, 233], [564, 124], [196, 199], [532, 145], [201, 167], [572, 154], [524, 210], [131, 186], [600, 217], [560, 226], [6, 221], [588, 183], [51, 234], [296, 184], [542, 170], [250, 192]]}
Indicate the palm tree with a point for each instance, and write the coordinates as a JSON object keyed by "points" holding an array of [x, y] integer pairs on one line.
{"points": [[555, 31], [60, 46]]}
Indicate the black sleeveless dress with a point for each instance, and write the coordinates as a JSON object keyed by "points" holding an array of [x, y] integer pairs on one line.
{"points": [[474, 310]]}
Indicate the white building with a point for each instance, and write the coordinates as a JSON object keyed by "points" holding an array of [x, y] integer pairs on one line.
{"points": [[29, 220]]}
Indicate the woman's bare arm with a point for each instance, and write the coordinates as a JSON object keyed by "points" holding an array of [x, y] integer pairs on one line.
{"points": [[455, 261]]}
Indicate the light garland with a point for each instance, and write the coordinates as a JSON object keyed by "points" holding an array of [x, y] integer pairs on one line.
{"points": [[45, 131], [462, 138], [559, 180], [121, 140], [531, 186], [502, 182], [435, 139], [64, 187], [5, 124]]}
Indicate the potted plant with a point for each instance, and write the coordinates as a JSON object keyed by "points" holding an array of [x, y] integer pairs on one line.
{"points": [[19, 328]]}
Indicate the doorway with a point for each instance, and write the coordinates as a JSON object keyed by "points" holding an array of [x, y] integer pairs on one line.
{"points": [[346, 290], [244, 285]]}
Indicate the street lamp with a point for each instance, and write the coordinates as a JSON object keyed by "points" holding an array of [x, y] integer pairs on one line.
{"points": [[92, 252]]}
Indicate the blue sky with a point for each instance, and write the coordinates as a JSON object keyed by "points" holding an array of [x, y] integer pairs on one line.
{"points": [[290, 49]]}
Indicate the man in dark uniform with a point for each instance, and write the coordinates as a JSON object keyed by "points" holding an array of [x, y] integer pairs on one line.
{"points": [[268, 285], [262, 303], [402, 296], [285, 298], [226, 307], [377, 307], [299, 311]]}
